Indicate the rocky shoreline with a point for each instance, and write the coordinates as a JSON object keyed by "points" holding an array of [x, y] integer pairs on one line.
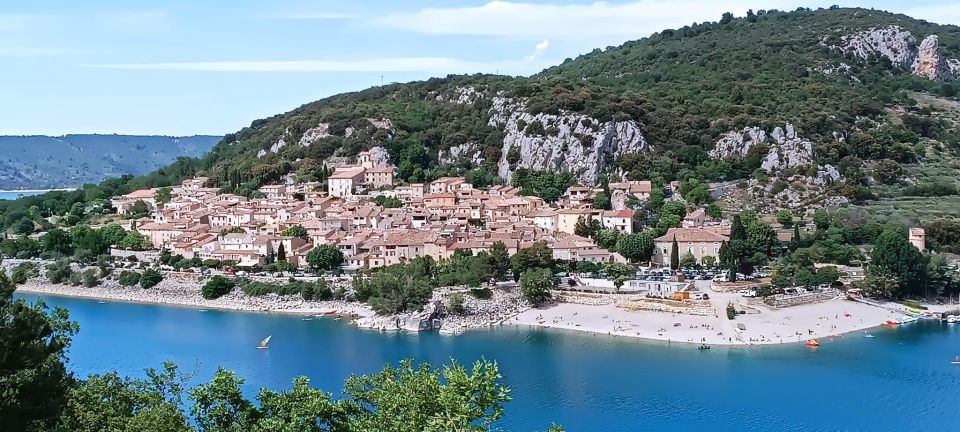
{"points": [[187, 294], [183, 292]]}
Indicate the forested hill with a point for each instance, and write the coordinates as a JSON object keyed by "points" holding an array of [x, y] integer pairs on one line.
{"points": [[39, 162], [800, 108], [651, 108]]}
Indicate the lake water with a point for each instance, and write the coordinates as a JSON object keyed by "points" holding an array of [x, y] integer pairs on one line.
{"points": [[12, 195], [901, 379]]}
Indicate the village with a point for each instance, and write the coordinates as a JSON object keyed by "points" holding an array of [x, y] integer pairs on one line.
{"points": [[436, 220]]}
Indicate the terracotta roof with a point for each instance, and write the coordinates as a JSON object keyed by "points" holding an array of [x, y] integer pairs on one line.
{"points": [[691, 235], [346, 173], [142, 193]]}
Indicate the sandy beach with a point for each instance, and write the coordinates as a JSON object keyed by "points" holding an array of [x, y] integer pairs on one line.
{"points": [[763, 325], [789, 325]]}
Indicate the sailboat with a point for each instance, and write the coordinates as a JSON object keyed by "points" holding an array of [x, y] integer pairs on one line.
{"points": [[264, 344]]}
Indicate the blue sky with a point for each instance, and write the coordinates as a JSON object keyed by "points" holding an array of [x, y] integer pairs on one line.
{"points": [[187, 67]]}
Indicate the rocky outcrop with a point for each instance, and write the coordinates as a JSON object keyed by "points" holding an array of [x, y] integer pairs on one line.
{"points": [[466, 152], [900, 47], [796, 192], [379, 157], [570, 142], [929, 63], [786, 148], [788, 151], [735, 144], [312, 135], [321, 131]]}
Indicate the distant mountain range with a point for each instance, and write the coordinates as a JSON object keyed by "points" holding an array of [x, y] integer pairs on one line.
{"points": [[42, 162]]}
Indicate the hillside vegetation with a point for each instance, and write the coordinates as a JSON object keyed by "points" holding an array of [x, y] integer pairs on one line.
{"points": [[653, 108]]}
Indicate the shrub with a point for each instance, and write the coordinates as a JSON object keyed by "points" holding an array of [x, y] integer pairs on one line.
{"points": [[731, 312], [481, 293], [90, 278], [59, 271], [150, 278], [218, 286], [129, 278], [456, 304]]}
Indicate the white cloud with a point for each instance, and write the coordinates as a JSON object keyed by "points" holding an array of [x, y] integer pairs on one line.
{"points": [[439, 65], [538, 50], [571, 21]]}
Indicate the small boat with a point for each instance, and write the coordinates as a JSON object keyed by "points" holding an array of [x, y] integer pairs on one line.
{"points": [[101, 302], [907, 319], [953, 319], [201, 310], [264, 344], [956, 360], [892, 322], [812, 343], [703, 347], [868, 335], [306, 318]]}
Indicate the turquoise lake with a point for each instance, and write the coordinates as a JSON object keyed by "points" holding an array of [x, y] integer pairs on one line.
{"points": [[901, 379], [12, 195]]}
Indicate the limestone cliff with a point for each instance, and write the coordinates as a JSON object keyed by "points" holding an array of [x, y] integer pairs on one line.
{"points": [[577, 143], [900, 47], [786, 148], [580, 144]]}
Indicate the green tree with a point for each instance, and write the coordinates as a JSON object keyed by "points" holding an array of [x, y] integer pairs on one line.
{"points": [[880, 282], [636, 247], [58, 242], [138, 210], [297, 231], [601, 201], [456, 304], [709, 261], [90, 279], [218, 286], [150, 278], [894, 253], [406, 398], [688, 260], [674, 255], [821, 219], [220, 406], [537, 256], [619, 274], [163, 195], [714, 211], [128, 278], [111, 402], [387, 202], [499, 259], [59, 271], [827, 275], [325, 258], [535, 286], [33, 346], [785, 218], [587, 267]]}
